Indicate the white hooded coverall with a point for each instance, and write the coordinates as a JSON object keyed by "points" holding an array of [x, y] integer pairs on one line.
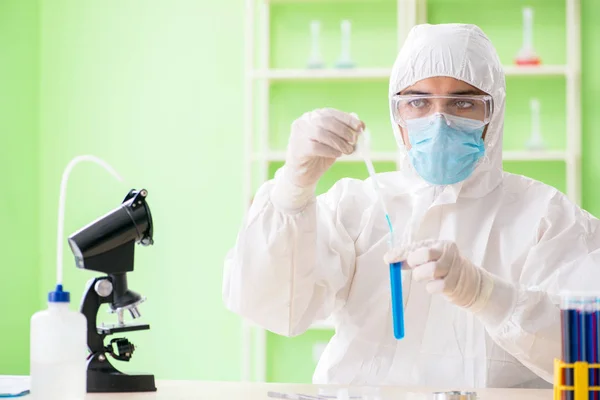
{"points": [[288, 270]]}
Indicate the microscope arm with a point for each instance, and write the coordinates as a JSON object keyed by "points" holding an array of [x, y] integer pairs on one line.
{"points": [[90, 305]]}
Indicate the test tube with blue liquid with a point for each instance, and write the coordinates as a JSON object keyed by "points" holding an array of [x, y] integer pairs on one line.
{"points": [[597, 333], [397, 305], [395, 268], [593, 343]]}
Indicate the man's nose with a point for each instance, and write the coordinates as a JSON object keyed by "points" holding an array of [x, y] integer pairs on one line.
{"points": [[442, 116], [439, 107]]}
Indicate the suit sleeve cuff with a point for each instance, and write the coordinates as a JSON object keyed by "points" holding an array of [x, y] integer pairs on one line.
{"points": [[288, 197], [497, 301]]}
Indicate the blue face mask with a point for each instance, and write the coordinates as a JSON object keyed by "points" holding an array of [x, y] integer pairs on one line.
{"points": [[445, 148]]}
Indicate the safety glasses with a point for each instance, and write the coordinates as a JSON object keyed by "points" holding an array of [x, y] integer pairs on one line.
{"points": [[410, 107]]}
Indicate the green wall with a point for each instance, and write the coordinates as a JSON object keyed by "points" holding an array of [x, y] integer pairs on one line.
{"points": [[19, 180], [590, 58], [156, 89]]}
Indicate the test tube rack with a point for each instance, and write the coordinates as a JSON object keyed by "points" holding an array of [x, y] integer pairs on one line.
{"points": [[581, 389]]}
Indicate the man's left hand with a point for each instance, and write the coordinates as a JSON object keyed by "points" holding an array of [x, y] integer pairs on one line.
{"points": [[446, 271]]}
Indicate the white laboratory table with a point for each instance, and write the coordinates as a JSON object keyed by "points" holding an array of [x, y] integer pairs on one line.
{"points": [[200, 390]]}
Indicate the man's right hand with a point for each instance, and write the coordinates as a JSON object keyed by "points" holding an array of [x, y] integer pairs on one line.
{"points": [[317, 139]]}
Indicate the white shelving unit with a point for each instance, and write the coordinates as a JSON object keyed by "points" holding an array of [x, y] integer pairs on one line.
{"points": [[258, 155], [323, 74]]}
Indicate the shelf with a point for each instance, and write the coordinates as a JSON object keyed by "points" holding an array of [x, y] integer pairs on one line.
{"points": [[542, 70], [279, 156], [325, 1], [332, 74], [534, 156], [323, 74]]}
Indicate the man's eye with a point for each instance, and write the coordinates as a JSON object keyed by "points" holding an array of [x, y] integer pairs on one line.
{"points": [[463, 104], [419, 103]]}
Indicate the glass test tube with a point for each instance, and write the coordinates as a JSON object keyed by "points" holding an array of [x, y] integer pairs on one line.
{"points": [[594, 343]]}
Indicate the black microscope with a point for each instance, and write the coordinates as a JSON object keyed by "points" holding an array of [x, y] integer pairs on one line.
{"points": [[107, 245]]}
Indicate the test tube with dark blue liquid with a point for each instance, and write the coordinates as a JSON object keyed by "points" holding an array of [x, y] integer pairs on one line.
{"points": [[588, 314], [397, 304], [592, 342], [570, 340], [597, 356]]}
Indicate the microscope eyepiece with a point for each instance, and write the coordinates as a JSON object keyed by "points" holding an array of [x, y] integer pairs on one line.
{"points": [[134, 202], [107, 244]]}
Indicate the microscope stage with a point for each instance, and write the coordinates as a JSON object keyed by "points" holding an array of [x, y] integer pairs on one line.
{"points": [[110, 329]]}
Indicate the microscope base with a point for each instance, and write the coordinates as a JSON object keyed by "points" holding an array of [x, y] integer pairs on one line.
{"points": [[102, 377], [102, 382]]}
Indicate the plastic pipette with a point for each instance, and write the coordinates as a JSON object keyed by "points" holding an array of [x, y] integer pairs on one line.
{"points": [[363, 145]]}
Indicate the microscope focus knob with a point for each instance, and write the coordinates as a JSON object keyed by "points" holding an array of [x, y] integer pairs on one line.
{"points": [[104, 288]]}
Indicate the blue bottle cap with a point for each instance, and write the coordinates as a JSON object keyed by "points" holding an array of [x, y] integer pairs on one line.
{"points": [[59, 296]]}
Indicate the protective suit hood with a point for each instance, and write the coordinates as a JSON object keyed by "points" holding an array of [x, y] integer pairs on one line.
{"points": [[465, 53]]}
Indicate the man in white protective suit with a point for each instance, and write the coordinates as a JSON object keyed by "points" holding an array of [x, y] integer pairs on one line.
{"points": [[486, 252]]}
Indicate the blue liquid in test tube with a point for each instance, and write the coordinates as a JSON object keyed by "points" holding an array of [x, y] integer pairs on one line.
{"points": [[397, 305]]}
